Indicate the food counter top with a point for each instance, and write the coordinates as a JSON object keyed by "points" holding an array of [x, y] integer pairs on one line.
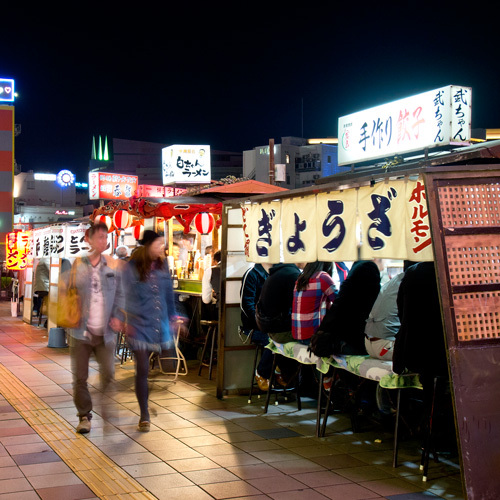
{"points": [[191, 287]]}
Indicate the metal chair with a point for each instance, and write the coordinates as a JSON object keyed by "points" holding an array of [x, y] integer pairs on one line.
{"points": [[210, 338], [259, 349], [179, 359]]}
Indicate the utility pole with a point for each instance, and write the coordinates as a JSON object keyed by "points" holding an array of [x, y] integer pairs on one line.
{"points": [[271, 162]]}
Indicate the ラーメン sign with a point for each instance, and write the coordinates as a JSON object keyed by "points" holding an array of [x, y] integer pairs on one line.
{"points": [[18, 245], [185, 164], [439, 117]]}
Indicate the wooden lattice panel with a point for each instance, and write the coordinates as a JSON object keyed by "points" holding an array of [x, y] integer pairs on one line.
{"points": [[470, 205], [477, 315], [473, 259]]}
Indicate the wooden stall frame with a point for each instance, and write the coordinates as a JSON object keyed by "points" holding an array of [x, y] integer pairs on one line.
{"points": [[473, 358], [478, 476]]}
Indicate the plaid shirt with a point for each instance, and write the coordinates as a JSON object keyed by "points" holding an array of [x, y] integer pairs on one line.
{"points": [[310, 305]]}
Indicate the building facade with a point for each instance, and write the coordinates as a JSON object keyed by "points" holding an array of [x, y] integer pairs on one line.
{"points": [[304, 163], [40, 201], [144, 159]]}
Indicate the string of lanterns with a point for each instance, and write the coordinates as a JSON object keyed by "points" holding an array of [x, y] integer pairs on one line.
{"points": [[204, 223]]}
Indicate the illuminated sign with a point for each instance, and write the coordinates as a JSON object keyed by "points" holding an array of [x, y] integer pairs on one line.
{"points": [[17, 250], [6, 90], [81, 185], [186, 164], [45, 177], [111, 186], [65, 178], [147, 191], [439, 117]]}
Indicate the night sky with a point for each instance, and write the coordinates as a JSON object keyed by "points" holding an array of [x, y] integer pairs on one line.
{"points": [[231, 81]]}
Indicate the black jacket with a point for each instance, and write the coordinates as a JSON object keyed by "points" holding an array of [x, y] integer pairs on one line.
{"points": [[420, 342], [251, 286], [342, 330], [274, 309]]}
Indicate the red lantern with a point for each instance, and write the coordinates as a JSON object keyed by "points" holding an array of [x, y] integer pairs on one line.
{"points": [[104, 219], [122, 219], [138, 231], [204, 222]]}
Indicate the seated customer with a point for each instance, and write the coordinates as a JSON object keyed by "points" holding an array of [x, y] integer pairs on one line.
{"points": [[251, 286], [383, 322], [274, 313], [420, 343], [342, 330], [313, 295], [274, 309], [210, 290]]}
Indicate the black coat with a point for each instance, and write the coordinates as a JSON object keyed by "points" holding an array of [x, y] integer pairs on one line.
{"points": [[342, 330], [251, 286], [420, 342], [274, 309]]}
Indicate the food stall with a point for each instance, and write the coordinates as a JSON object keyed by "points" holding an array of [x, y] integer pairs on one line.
{"points": [[183, 220], [445, 208]]}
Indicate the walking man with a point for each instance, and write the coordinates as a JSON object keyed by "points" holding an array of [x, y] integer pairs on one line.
{"points": [[98, 281]]}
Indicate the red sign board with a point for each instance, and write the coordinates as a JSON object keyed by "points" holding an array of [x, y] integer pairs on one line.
{"points": [[112, 186], [17, 250]]}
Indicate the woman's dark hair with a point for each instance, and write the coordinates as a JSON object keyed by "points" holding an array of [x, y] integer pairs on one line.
{"points": [[141, 258], [310, 269]]}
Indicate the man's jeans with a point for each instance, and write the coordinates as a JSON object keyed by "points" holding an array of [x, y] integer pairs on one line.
{"points": [[81, 351]]}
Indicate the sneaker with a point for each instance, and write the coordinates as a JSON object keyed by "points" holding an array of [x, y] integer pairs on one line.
{"points": [[262, 382], [84, 425], [144, 426], [279, 379]]}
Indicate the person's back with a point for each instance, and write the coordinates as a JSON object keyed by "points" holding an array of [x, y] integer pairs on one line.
{"points": [[274, 310], [383, 322], [210, 290], [313, 295], [251, 287], [342, 330], [42, 276], [420, 343]]}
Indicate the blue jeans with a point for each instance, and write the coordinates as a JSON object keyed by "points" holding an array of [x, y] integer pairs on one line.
{"points": [[266, 360]]}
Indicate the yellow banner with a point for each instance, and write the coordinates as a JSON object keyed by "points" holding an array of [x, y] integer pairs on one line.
{"points": [[388, 221], [298, 226], [336, 226]]}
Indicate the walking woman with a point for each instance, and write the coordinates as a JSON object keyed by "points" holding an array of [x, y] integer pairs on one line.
{"points": [[151, 312], [313, 294]]}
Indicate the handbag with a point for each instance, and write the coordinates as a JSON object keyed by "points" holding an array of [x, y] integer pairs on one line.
{"points": [[69, 310]]}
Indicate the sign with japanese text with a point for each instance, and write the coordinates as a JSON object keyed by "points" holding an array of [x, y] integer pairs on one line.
{"points": [[246, 235], [42, 242], [336, 216], [264, 232], [18, 246], [150, 191], [76, 246], [418, 234], [382, 213], [111, 186], [299, 229], [49, 241], [439, 117], [186, 164], [388, 221]]}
